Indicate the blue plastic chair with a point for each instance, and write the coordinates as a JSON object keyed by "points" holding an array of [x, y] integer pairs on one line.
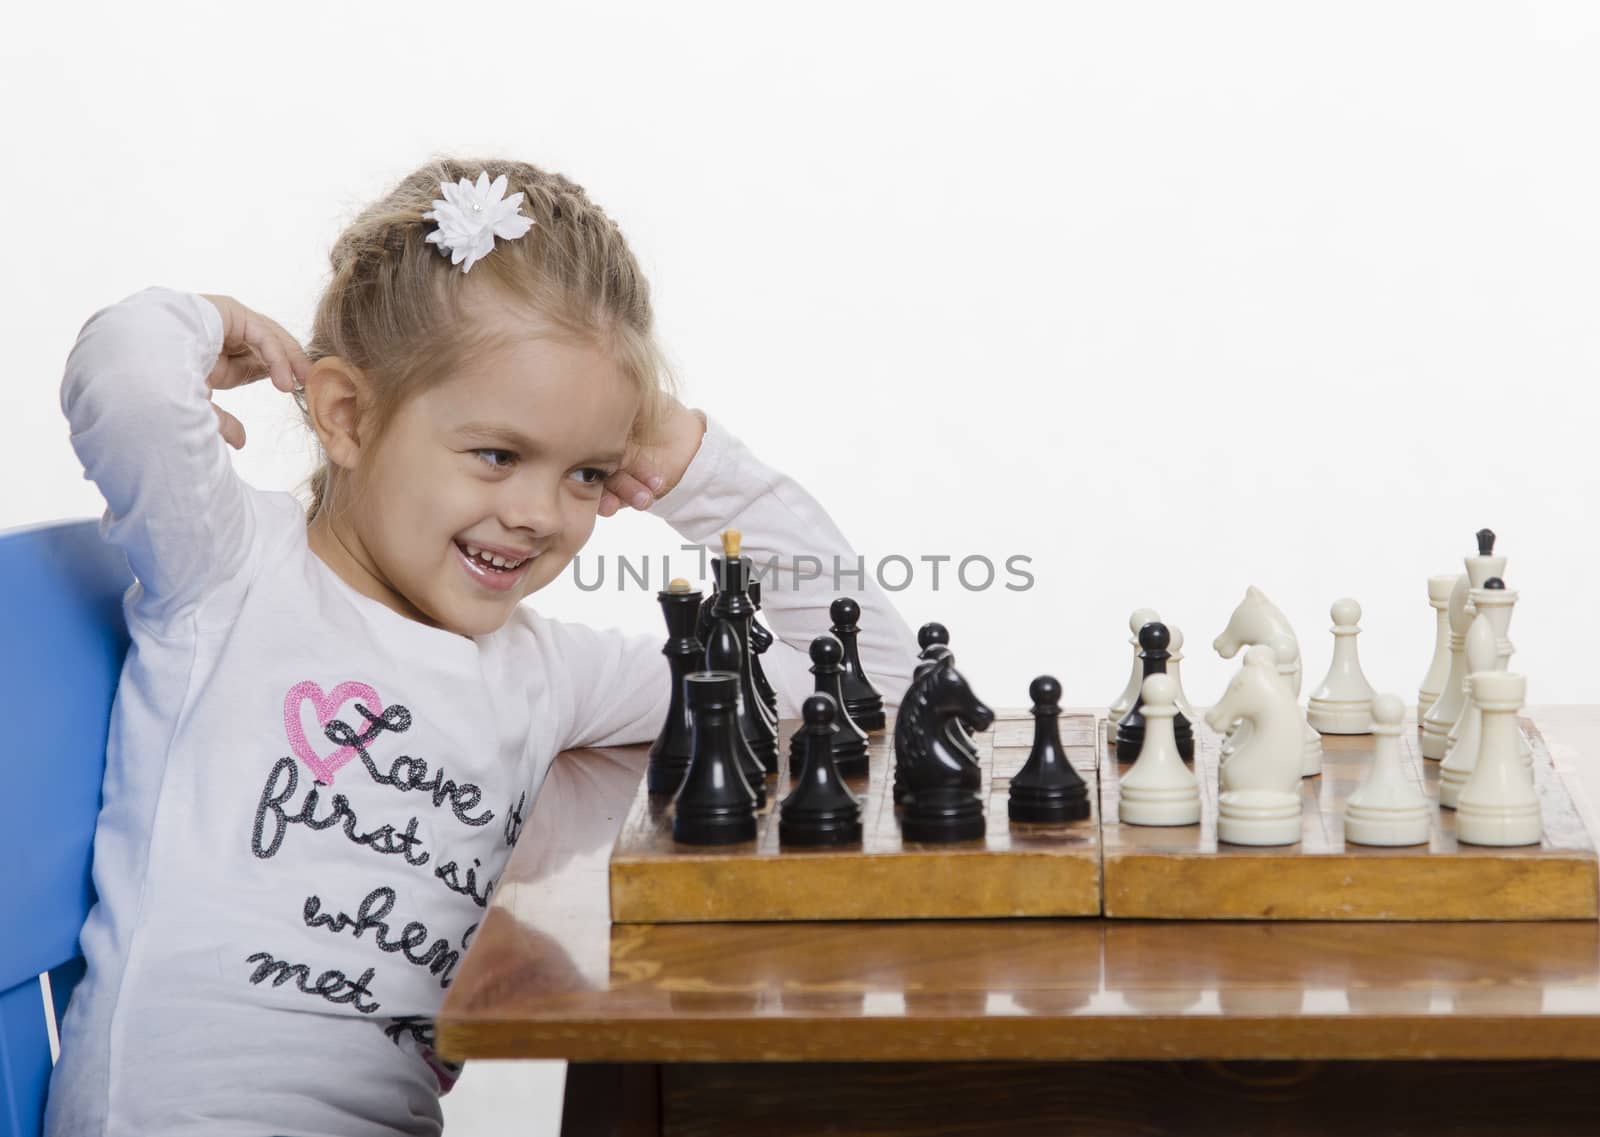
{"points": [[62, 642]]}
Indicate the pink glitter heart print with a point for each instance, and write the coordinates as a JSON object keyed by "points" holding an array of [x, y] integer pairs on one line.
{"points": [[327, 707]]}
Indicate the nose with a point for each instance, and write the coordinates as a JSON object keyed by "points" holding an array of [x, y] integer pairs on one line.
{"points": [[531, 505]]}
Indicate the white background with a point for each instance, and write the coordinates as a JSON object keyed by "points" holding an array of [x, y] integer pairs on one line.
{"points": [[1171, 298]]}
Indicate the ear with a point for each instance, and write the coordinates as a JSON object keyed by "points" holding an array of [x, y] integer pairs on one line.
{"points": [[338, 396]]}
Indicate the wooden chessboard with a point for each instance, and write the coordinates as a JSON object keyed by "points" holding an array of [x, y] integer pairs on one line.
{"points": [[1102, 867], [1184, 873], [1016, 870]]}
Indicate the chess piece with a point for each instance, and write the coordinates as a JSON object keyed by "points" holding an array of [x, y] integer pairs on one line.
{"points": [[940, 803], [1439, 667], [1255, 621], [669, 754], [1485, 565], [820, 810], [1462, 757], [715, 805], [1446, 708], [1343, 704], [733, 608], [1047, 789], [1499, 805], [1175, 669], [1160, 789], [1130, 691], [1388, 808], [1500, 602], [861, 698], [934, 641], [760, 640], [1259, 802], [1153, 655], [848, 740], [1287, 653]]}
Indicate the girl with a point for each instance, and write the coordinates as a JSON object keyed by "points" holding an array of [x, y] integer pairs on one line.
{"points": [[331, 722]]}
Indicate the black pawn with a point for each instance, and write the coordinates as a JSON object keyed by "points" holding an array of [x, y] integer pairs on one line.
{"points": [[1485, 542], [932, 635], [1047, 789], [760, 640], [821, 810], [861, 698], [1153, 641], [715, 805], [849, 740], [1495, 583], [669, 754], [723, 652]]}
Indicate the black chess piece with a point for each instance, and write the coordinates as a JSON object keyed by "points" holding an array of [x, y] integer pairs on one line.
{"points": [[1153, 641], [1495, 583], [1485, 542], [861, 698], [1047, 789], [715, 805], [940, 804], [932, 635], [723, 654], [669, 754], [702, 626], [734, 608], [849, 740], [821, 810], [760, 640], [934, 640]]}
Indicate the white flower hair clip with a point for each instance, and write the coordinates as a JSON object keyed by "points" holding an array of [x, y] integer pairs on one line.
{"points": [[471, 216]]}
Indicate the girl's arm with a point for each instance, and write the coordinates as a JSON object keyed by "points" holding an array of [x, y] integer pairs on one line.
{"points": [[136, 398], [621, 690]]}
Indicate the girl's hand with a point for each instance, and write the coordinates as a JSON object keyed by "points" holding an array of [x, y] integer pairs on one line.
{"points": [[649, 473], [252, 347]]}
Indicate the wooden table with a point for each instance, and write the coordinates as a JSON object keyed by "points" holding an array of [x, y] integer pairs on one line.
{"points": [[1021, 1026]]}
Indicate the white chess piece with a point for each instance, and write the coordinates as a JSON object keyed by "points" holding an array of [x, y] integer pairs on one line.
{"points": [[1130, 691], [1255, 621], [1174, 659], [1433, 682], [1499, 602], [1388, 808], [1446, 708], [1288, 653], [1259, 802], [1343, 704], [1499, 805], [1462, 757], [1160, 789], [1485, 565]]}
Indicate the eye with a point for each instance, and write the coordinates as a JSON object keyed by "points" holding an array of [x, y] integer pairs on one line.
{"points": [[496, 459], [592, 475]]}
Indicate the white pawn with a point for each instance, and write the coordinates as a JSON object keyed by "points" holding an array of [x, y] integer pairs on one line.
{"points": [[1343, 704], [1433, 682], [1260, 798], [1499, 805], [1388, 808], [1447, 707], [1130, 691], [1160, 789], [1174, 660], [1288, 653], [1462, 757]]}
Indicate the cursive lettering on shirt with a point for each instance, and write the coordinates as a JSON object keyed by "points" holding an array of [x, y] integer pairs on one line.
{"points": [[332, 985], [273, 820], [373, 914]]}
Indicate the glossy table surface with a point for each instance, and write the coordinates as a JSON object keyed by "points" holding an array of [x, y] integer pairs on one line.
{"points": [[549, 975]]}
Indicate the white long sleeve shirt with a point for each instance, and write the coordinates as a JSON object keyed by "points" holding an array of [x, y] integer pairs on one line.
{"points": [[279, 915]]}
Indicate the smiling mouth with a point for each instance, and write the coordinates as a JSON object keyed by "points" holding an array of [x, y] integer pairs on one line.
{"points": [[492, 570]]}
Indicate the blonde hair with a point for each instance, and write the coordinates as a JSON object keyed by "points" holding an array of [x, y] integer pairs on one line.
{"points": [[394, 305]]}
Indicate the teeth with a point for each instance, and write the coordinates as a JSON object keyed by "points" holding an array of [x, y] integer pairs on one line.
{"points": [[492, 558]]}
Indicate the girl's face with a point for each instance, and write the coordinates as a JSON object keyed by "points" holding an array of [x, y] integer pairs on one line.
{"points": [[504, 460]]}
